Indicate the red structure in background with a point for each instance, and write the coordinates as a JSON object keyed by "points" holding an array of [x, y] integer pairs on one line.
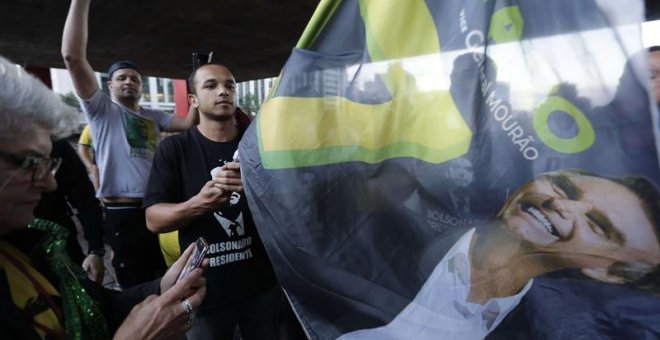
{"points": [[181, 104], [42, 73]]}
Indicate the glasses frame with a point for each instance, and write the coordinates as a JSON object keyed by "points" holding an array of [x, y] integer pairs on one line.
{"points": [[40, 166]]}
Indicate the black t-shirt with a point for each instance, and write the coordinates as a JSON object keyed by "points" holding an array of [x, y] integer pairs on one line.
{"points": [[73, 190], [238, 264]]}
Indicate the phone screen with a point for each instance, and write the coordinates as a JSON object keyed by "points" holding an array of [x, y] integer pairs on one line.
{"points": [[195, 260]]}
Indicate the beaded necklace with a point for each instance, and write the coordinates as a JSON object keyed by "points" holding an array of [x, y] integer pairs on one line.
{"points": [[82, 316]]}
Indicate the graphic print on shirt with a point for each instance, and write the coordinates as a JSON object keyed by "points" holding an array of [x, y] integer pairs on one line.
{"points": [[233, 225], [454, 206], [239, 246], [141, 135]]}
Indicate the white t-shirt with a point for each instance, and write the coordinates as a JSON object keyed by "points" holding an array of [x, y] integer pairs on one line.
{"points": [[124, 143], [440, 310]]}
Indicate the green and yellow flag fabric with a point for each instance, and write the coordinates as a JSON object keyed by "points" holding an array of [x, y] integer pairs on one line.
{"points": [[427, 169]]}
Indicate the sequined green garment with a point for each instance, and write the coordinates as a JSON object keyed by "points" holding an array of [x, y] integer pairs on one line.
{"points": [[83, 317]]}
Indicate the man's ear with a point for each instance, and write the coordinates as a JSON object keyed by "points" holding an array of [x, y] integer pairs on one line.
{"points": [[109, 83], [602, 275], [192, 100]]}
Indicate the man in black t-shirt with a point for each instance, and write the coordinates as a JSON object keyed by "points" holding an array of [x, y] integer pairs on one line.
{"points": [[183, 195]]}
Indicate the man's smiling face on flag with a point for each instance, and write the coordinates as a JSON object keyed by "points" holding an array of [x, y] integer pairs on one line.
{"points": [[586, 221]]}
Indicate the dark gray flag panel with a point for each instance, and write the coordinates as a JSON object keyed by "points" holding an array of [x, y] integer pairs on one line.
{"points": [[462, 170]]}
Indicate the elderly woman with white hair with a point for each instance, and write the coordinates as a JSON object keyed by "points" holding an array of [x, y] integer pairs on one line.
{"points": [[42, 293]]}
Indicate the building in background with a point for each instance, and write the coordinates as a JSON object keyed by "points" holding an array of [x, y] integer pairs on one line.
{"points": [[252, 93], [170, 95]]}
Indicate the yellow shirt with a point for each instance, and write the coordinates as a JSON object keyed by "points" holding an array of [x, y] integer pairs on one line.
{"points": [[169, 246], [86, 137]]}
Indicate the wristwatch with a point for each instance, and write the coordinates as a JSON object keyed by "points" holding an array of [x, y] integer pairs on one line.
{"points": [[98, 252]]}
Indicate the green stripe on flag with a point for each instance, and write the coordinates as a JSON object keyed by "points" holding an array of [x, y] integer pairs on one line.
{"points": [[426, 125]]}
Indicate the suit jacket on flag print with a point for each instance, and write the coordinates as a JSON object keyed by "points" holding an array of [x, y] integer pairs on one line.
{"points": [[346, 168]]}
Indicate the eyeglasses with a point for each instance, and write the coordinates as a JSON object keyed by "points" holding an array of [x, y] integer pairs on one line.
{"points": [[40, 166]]}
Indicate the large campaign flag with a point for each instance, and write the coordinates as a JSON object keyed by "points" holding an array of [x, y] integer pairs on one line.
{"points": [[451, 169]]}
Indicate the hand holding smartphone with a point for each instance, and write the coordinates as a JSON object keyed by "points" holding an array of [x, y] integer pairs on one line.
{"points": [[195, 260]]}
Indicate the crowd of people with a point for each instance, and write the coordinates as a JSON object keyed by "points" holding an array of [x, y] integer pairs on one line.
{"points": [[45, 294], [142, 185], [64, 295]]}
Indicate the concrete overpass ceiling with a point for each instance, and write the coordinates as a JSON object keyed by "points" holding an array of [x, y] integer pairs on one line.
{"points": [[652, 10], [252, 37]]}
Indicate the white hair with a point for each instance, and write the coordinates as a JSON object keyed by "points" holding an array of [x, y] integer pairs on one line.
{"points": [[27, 104]]}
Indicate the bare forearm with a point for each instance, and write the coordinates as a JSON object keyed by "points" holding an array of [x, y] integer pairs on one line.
{"points": [[96, 181], [214, 195], [74, 38], [166, 217], [74, 48], [86, 156], [180, 124]]}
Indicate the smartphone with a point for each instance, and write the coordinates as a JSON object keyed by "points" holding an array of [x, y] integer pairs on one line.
{"points": [[195, 260]]}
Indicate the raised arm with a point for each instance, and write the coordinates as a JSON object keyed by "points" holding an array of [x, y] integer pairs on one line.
{"points": [[74, 49]]}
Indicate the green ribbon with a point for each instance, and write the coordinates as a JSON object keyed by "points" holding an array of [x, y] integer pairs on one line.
{"points": [[82, 316]]}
